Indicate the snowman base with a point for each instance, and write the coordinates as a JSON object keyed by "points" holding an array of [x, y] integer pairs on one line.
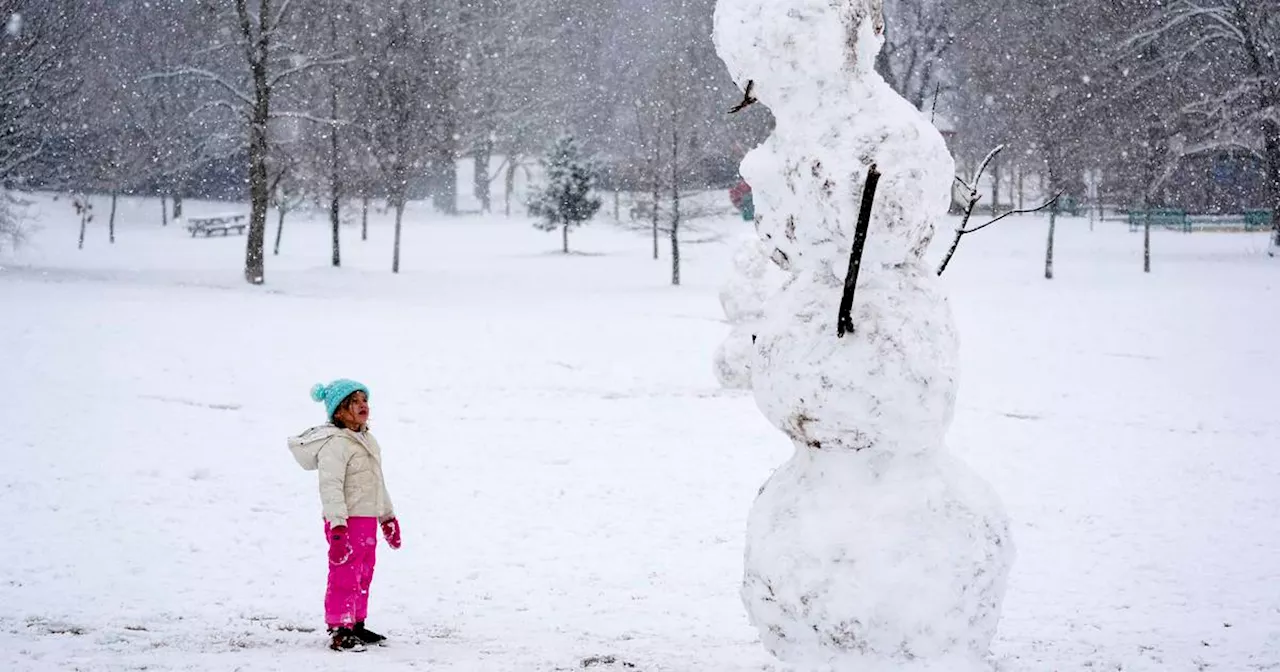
{"points": [[868, 561]]}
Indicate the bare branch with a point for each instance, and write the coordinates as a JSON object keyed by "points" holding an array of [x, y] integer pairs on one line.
{"points": [[748, 99], [279, 18], [321, 62], [243, 15], [961, 231], [325, 121], [206, 75], [11, 164], [1015, 212], [982, 167], [234, 109]]}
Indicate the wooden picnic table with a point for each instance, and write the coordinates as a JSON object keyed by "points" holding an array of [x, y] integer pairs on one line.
{"points": [[224, 224]]}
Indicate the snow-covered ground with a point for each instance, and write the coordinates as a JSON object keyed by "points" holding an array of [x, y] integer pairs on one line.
{"points": [[573, 483]]}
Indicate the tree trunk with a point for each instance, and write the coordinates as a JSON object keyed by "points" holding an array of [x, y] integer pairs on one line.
{"points": [[111, 223], [564, 230], [177, 208], [675, 243], [995, 186], [656, 181], [280, 227], [1048, 254], [364, 217], [254, 270], [1267, 101], [84, 224], [259, 143], [164, 211], [1271, 130], [335, 221], [1093, 213], [617, 206], [335, 180], [480, 179], [1020, 192], [395, 258], [445, 191], [510, 182], [449, 186], [675, 204], [1146, 244]]}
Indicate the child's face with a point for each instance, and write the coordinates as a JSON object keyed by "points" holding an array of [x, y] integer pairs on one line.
{"points": [[355, 412]]}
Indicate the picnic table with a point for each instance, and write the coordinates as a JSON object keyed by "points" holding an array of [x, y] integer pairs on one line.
{"points": [[641, 210], [224, 224]]}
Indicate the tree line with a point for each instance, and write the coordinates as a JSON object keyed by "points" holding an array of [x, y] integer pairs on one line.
{"points": [[342, 101]]}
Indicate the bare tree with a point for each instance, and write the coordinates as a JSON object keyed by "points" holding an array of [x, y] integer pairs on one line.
{"points": [[919, 37], [12, 229], [41, 70], [675, 199], [83, 206], [1229, 49], [287, 192], [399, 55], [38, 75], [254, 55], [505, 49]]}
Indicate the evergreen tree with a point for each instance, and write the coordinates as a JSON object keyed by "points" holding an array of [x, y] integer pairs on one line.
{"points": [[567, 200]]}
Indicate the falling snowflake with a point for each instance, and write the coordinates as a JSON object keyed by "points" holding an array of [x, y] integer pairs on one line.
{"points": [[14, 27]]}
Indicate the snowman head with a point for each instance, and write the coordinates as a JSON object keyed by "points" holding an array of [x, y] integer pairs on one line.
{"points": [[787, 46]]}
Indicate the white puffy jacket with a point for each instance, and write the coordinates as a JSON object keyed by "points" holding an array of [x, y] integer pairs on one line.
{"points": [[350, 466]]}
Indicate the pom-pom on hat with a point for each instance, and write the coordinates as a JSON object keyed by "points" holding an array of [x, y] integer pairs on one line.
{"points": [[332, 394]]}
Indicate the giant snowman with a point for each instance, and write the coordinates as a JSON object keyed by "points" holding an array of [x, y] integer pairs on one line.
{"points": [[871, 548]]}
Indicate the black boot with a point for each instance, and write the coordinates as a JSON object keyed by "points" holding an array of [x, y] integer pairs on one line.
{"points": [[367, 636], [345, 639]]}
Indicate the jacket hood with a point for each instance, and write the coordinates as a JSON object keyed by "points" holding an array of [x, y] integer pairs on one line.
{"points": [[306, 446]]}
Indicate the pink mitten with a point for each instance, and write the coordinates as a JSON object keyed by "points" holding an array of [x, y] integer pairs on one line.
{"points": [[339, 545], [391, 531]]}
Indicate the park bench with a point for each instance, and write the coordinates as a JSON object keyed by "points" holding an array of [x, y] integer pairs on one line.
{"points": [[1169, 218], [224, 224], [1071, 206], [1257, 220]]}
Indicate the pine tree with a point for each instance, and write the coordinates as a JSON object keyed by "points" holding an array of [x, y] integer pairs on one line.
{"points": [[567, 200]]}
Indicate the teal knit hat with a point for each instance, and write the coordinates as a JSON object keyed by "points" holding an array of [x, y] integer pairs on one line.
{"points": [[332, 394]]}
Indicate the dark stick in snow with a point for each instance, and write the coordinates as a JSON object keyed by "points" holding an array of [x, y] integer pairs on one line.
{"points": [[747, 99], [844, 319]]}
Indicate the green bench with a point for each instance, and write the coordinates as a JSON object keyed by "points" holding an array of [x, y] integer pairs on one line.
{"points": [[1257, 220], [1178, 220], [1169, 218]]}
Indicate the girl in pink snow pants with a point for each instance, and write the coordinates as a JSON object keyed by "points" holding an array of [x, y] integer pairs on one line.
{"points": [[353, 495]]}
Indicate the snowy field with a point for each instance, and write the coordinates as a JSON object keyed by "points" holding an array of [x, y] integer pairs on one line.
{"points": [[573, 485]]}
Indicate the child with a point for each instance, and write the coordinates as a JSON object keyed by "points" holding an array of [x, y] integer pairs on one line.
{"points": [[354, 499]]}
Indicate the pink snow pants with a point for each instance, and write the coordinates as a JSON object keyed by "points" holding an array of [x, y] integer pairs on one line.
{"points": [[346, 599]]}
